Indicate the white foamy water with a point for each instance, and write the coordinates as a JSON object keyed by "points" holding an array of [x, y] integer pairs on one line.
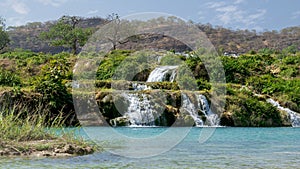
{"points": [[294, 117], [202, 105], [163, 73]]}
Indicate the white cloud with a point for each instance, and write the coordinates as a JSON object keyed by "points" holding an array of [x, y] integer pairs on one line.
{"points": [[55, 3], [257, 16], [232, 15], [92, 12], [227, 9], [296, 15], [16, 21], [215, 4], [18, 6], [238, 1], [201, 15]]}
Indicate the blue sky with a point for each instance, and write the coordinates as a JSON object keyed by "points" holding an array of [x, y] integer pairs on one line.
{"points": [[236, 14]]}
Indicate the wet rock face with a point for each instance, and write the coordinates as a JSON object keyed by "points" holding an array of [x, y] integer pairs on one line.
{"points": [[114, 107], [135, 109], [226, 120], [119, 121]]}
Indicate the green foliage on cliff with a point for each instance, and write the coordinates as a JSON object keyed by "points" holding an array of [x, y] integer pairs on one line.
{"points": [[8, 78], [110, 63], [251, 111], [270, 73]]}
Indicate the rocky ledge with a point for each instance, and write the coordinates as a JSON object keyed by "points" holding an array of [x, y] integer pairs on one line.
{"points": [[44, 148]]}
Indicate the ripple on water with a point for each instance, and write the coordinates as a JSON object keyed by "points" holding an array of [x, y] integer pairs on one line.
{"points": [[228, 147]]}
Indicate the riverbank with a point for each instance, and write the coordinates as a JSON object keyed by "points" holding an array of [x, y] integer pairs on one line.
{"points": [[228, 147], [27, 130], [44, 148]]}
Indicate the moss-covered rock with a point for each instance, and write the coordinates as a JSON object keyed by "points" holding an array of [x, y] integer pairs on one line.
{"points": [[247, 110]]}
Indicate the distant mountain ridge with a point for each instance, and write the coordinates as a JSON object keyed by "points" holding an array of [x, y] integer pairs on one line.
{"points": [[224, 40]]}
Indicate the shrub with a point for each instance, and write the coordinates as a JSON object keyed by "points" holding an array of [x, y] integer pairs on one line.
{"points": [[8, 78], [171, 59], [250, 111], [108, 66], [51, 83]]}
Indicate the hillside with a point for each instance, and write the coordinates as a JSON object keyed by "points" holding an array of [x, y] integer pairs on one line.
{"points": [[46, 79], [225, 40], [267, 68], [28, 36]]}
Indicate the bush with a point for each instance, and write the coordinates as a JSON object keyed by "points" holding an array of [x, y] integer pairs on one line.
{"points": [[266, 51], [171, 59], [8, 78], [250, 111], [51, 83], [203, 84], [108, 66]]}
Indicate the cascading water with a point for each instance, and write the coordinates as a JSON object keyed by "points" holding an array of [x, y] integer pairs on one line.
{"points": [[139, 87], [294, 117], [163, 73], [188, 106], [211, 118], [140, 112], [202, 106]]}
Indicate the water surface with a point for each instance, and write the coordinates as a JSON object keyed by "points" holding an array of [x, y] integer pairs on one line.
{"points": [[227, 148]]}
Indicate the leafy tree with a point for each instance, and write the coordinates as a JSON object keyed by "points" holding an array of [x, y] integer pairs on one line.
{"points": [[51, 82], [66, 32], [4, 39]]}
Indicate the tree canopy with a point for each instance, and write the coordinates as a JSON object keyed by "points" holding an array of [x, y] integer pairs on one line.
{"points": [[66, 32]]}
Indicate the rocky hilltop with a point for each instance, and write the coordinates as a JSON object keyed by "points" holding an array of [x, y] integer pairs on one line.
{"points": [[224, 40]]}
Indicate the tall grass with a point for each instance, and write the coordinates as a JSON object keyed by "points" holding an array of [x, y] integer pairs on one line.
{"points": [[21, 122], [24, 129]]}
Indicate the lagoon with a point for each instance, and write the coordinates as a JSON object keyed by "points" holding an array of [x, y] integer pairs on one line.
{"points": [[228, 147]]}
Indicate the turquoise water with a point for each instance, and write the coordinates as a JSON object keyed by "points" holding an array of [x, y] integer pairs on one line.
{"points": [[226, 148]]}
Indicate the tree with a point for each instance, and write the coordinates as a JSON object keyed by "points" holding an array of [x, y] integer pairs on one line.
{"points": [[114, 39], [117, 30], [4, 38], [66, 32]]}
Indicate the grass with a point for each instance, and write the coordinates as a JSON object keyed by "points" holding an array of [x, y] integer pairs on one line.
{"points": [[24, 129], [19, 123]]}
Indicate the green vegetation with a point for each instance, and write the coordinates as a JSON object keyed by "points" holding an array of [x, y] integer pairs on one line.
{"points": [[267, 72], [67, 33], [25, 131], [272, 72], [4, 38], [249, 110]]}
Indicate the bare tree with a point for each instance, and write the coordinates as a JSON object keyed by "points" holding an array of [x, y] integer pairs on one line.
{"points": [[4, 38], [118, 29]]}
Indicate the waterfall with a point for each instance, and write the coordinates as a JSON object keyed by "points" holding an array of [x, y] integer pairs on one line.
{"points": [[140, 112], [188, 106], [211, 118], [163, 73], [139, 87], [294, 117], [202, 106]]}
